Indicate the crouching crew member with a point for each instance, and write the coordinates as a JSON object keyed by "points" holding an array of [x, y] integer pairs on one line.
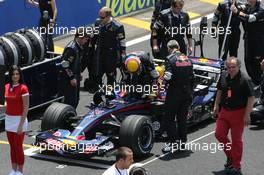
{"points": [[180, 77], [235, 95], [139, 69], [71, 76]]}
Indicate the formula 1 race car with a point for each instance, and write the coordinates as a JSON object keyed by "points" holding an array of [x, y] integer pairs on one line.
{"points": [[123, 121]]}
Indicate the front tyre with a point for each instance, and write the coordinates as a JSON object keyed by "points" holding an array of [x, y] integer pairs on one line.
{"points": [[136, 133], [56, 116]]}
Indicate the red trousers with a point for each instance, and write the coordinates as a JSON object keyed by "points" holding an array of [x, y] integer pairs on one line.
{"points": [[234, 121], [16, 147]]}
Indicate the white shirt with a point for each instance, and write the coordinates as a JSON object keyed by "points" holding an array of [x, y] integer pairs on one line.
{"points": [[114, 171]]}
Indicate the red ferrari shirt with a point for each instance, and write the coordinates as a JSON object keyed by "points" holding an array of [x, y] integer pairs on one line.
{"points": [[13, 97]]}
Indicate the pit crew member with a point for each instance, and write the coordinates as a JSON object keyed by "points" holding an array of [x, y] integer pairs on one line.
{"points": [[172, 23], [160, 5], [110, 46], [220, 20], [138, 69], [252, 17], [71, 76], [180, 77]]}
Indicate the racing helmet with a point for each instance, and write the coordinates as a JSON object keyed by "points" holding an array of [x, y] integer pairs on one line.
{"points": [[160, 70], [132, 63]]}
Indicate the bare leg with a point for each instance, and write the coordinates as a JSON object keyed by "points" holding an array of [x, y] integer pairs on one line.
{"points": [[20, 168], [14, 166]]}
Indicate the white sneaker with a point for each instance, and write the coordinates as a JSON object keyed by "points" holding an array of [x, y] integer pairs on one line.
{"points": [[18, 173], [12, 173]]}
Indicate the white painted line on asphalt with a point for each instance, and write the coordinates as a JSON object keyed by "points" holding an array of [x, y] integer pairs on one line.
{"points": [[147, 37], [163, 155], [197, 20], [138, 40], [146, 18], [31, 151], [61, 166]]}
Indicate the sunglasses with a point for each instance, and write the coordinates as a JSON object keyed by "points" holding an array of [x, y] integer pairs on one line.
{"points": [[231, 67]]}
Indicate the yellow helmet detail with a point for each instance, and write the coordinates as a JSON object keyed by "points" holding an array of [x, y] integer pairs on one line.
{"points": [[132, 64], [160, 70]]}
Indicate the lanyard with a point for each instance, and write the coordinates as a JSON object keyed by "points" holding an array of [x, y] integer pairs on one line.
{"points": [[118, 171]]}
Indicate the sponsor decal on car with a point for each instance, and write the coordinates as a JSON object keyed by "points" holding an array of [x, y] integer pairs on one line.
{"points": [[206, 61], [57, 134], [54, 144], [91, 149]]}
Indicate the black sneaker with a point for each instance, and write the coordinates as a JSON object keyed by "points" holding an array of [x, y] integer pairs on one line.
{"points": [[182, 147], [233, 171], [167, 148], [228, 164], [171, 147]]}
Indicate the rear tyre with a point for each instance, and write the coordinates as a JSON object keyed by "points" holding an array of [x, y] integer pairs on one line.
{"points": [[136, 133], [56, 116]]}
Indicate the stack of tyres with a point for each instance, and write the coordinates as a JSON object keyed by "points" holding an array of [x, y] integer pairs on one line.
{"points": [[25, 46], [37, 41], [22, 48], [11, 51], [2, 56], [2, 82]]}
